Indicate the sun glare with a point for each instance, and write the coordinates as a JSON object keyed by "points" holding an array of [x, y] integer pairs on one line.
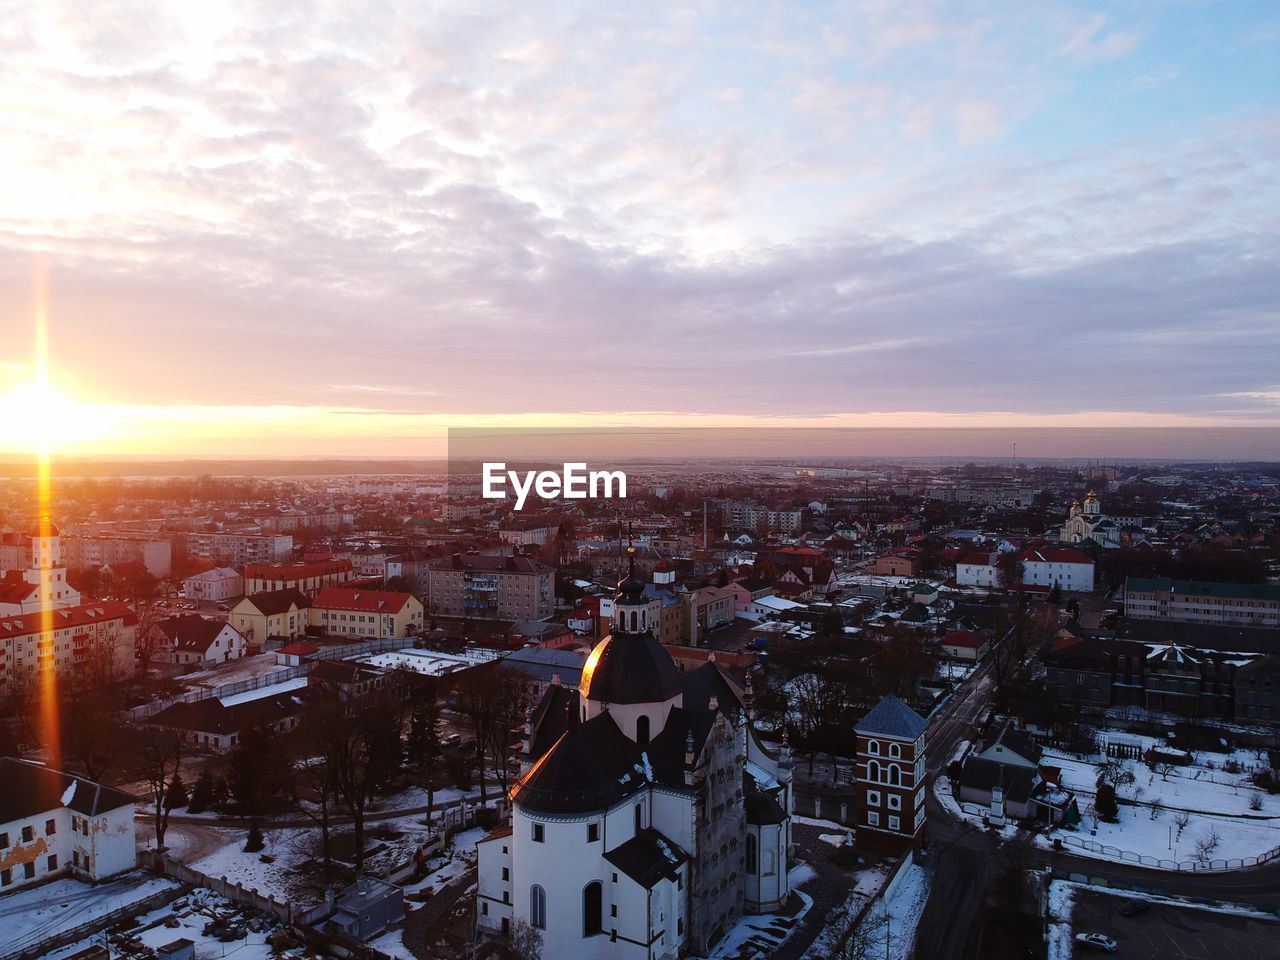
{"points": [[38, 417]]}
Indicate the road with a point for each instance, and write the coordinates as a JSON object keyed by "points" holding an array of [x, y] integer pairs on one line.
{"points": [[962, 854]]}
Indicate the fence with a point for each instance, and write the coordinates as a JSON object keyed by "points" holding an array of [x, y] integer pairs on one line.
{"points": [[1159, 863], [885, 891], [96, 925], [237, 893]]}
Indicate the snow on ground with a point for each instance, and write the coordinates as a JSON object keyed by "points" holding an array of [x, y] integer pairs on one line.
{"points": [[288, 686], [287, 849], [969, 812], [191, 913], [889, 928], [812, 822], [392, 944], [1216, 802], [29, 916], [759, 935], [952, 670]]}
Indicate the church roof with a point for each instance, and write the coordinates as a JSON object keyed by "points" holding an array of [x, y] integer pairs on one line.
{"points": [[630, 668], [892, 718], [591, 767], [760, 806], [648, 857], [711, 680]]}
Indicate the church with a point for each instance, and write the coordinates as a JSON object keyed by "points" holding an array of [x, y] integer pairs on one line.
{"points": [[650, 817], [1087, 522]]}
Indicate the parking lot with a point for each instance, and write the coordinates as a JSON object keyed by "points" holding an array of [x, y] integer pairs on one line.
{"points": [[1167, 932]]}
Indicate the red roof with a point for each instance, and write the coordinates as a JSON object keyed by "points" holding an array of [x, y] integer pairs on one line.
{"points": [[1054, 555], [365, 601], [978, 559], [14, 588], [295, 571], [964, 638], [298, 649], [84, 615]]}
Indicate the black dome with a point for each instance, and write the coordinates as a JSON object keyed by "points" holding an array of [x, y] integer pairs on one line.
{"points": [[630, 668]]}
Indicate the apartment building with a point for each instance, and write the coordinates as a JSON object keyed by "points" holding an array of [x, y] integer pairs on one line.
{"points": [[99, 635], [236, 549], [275, 613], [1197, 601], [476, 585], [154, 553], [218, 584], [528, 533]]}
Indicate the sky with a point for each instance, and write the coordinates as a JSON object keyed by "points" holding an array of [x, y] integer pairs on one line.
{"points": [[338, 228]]}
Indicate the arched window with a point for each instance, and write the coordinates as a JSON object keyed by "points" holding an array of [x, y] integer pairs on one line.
{"points": [[642, 732], [633, 621], [538, 907], [895, 750], [894, 778], [873, 746], [752, 862], [592, 909], [873, 770]]}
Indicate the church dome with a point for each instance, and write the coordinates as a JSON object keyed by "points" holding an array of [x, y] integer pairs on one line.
{"points": [[630, 668]]}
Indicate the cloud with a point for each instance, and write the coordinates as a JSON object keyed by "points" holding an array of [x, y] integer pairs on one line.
{"points": [[464, 210]]}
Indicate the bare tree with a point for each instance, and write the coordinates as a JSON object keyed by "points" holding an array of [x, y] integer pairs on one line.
{"points": [[525, 941], [1181, 821], [314, 782], [156, 753], [1207, 845]]}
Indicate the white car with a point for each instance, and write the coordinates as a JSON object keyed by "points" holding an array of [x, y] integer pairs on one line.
{"points": [[1097, 941]]}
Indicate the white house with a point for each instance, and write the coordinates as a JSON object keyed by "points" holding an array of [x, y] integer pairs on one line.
{"points": [[651, 817], [191, 639], [53, 824], [216, 585], [768, 607], [1068, 568], [979, 569]]}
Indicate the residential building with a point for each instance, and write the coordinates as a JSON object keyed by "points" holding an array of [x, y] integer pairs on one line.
{"points": [[899, 563], [215, 586], [1063, 567], [97, 636], [366, 614], [310, 578], [280, 614], [1198, 601], [1004, 774], [478, 585], [965, 645], [708, 609], [236, 549], [528, 532], [55, 824], [980, 569], [190, 640], [153, 553], [890, 777], [216, 724]]}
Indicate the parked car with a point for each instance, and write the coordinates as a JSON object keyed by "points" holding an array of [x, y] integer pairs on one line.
{"points": [[1131, 908], [1097, 941], [452, 740]]}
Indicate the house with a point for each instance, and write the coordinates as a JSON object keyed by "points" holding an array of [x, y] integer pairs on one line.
{"points": [[1004, 774], [366, 614], [191, 639], [980, 569], [966, 645], [273, 614], [899, 563], [747, 590], [292, 654], [217, 723], [545, 666], [366, 908], [769, 607], [216, 585], [709, 608], [54, 823]]}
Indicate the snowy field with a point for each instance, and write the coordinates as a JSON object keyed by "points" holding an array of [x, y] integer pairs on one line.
{"points": [[29, 916], [1214, 801]]}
